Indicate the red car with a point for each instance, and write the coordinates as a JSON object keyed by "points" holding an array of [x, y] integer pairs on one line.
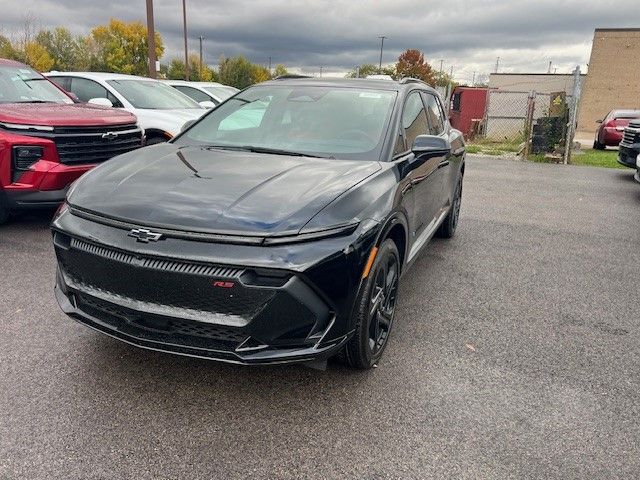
{"points": [[47, 141], [609, 132]]}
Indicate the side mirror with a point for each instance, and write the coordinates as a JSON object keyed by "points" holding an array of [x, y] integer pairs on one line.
{"points": [[430, 144], [207, 104], [599, 121], [187, 125], [105, 102]]}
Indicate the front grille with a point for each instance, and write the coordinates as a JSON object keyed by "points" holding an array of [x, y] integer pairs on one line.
{"points": [[173, 288], [77, 145], [115, 314], [631, 135]]}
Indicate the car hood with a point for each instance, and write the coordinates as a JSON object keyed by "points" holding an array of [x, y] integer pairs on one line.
{"points": [[212, 190], [170, 121], [63, 114]]}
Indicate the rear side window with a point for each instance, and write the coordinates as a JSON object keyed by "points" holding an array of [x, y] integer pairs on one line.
{"points": [[194, 93], [414, 118], [436, 117]]}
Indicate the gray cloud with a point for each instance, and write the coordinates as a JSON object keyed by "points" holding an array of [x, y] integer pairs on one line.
{"points": [[339, 34]]}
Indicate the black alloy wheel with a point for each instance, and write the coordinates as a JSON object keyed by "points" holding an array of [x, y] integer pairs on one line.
{"points": [[450, 223], [376, 309]]}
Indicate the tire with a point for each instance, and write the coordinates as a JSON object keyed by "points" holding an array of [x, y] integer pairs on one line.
{"points": [[375, 310], [4, 209], [598, 146], [448, 227]]}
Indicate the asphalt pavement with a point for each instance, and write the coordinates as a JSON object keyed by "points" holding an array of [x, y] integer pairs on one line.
{"points": [[515, 354]]}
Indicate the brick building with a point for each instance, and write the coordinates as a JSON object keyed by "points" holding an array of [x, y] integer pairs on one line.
{"points": [[613, 80]]}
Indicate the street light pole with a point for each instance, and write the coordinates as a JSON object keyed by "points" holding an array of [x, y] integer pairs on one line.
{"points": [[151, 40], [186, 52], [381, 37], [201, 38]]}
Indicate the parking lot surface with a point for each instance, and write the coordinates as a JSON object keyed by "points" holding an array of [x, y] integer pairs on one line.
{"points": [[515, 352]]}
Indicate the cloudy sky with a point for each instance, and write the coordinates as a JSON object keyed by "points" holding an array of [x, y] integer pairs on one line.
{"points": [[468, 35]]}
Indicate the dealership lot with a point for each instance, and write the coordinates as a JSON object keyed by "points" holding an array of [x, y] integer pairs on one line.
{"points": [[516, 352]]}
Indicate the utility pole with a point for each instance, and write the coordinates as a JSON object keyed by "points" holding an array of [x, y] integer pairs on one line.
{"points": [[497, 64], [473, 82], [549, 71], [186, 52], [151, 40], [573, 113], [320, 71], [201, 37], [381, 37]]}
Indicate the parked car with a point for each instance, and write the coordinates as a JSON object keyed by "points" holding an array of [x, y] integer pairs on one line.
{"points": [[281, 242], [610, 130], [207, 94], [630, 145], [161, 110], [47, 141]]}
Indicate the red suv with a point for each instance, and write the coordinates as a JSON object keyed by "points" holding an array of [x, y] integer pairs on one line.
{"points": [[610, 130], [47, 141]]}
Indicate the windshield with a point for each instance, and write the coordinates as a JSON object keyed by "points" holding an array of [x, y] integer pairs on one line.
{"points": [[151, 94], [334, 122], [21, 84]]}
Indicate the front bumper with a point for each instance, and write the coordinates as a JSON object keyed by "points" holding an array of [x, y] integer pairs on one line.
{"points": [[188, 345], [28, 199], [628, 154], [242, 304]]}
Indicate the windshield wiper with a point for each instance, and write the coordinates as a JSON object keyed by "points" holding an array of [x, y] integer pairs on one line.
{"points": [[35, 101], [273, 151]]}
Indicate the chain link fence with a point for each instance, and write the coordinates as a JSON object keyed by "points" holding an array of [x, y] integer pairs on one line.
{"points": [[540, 122]]}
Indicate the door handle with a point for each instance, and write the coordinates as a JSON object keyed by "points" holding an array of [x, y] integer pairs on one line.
{"points": [[444, 163]]}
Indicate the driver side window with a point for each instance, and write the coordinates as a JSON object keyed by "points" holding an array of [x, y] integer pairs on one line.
{"points": [[414, 119]]}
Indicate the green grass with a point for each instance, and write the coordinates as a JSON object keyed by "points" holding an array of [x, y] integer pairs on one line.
{"points": [[489, 147], [591, 158]]}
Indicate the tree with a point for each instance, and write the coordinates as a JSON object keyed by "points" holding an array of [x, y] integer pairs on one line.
{"points": [[443, 79], [175, 70], [63, 47], [235, 71], [37, 56], [280, 70], [259, 73], [6, 49], [411, 63], [122, 47], [366, 69]]}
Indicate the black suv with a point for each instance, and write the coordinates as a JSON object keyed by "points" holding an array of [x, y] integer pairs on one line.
{"points": [[274, 229]]}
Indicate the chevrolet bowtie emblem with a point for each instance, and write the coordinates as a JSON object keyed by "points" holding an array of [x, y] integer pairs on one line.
{"points": [[145, 236]]}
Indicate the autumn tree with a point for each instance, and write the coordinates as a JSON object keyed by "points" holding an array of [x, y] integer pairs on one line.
{"points": [[367, 69], [280, 70], [65, 49], [411, 63], [259, 73], [6, 49], [197, 72], [122, 47], [37, 56], [236, 71]]}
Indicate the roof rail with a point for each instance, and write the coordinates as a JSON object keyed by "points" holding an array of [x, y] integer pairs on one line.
{"points": [[411, 80], [292, 75]]}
